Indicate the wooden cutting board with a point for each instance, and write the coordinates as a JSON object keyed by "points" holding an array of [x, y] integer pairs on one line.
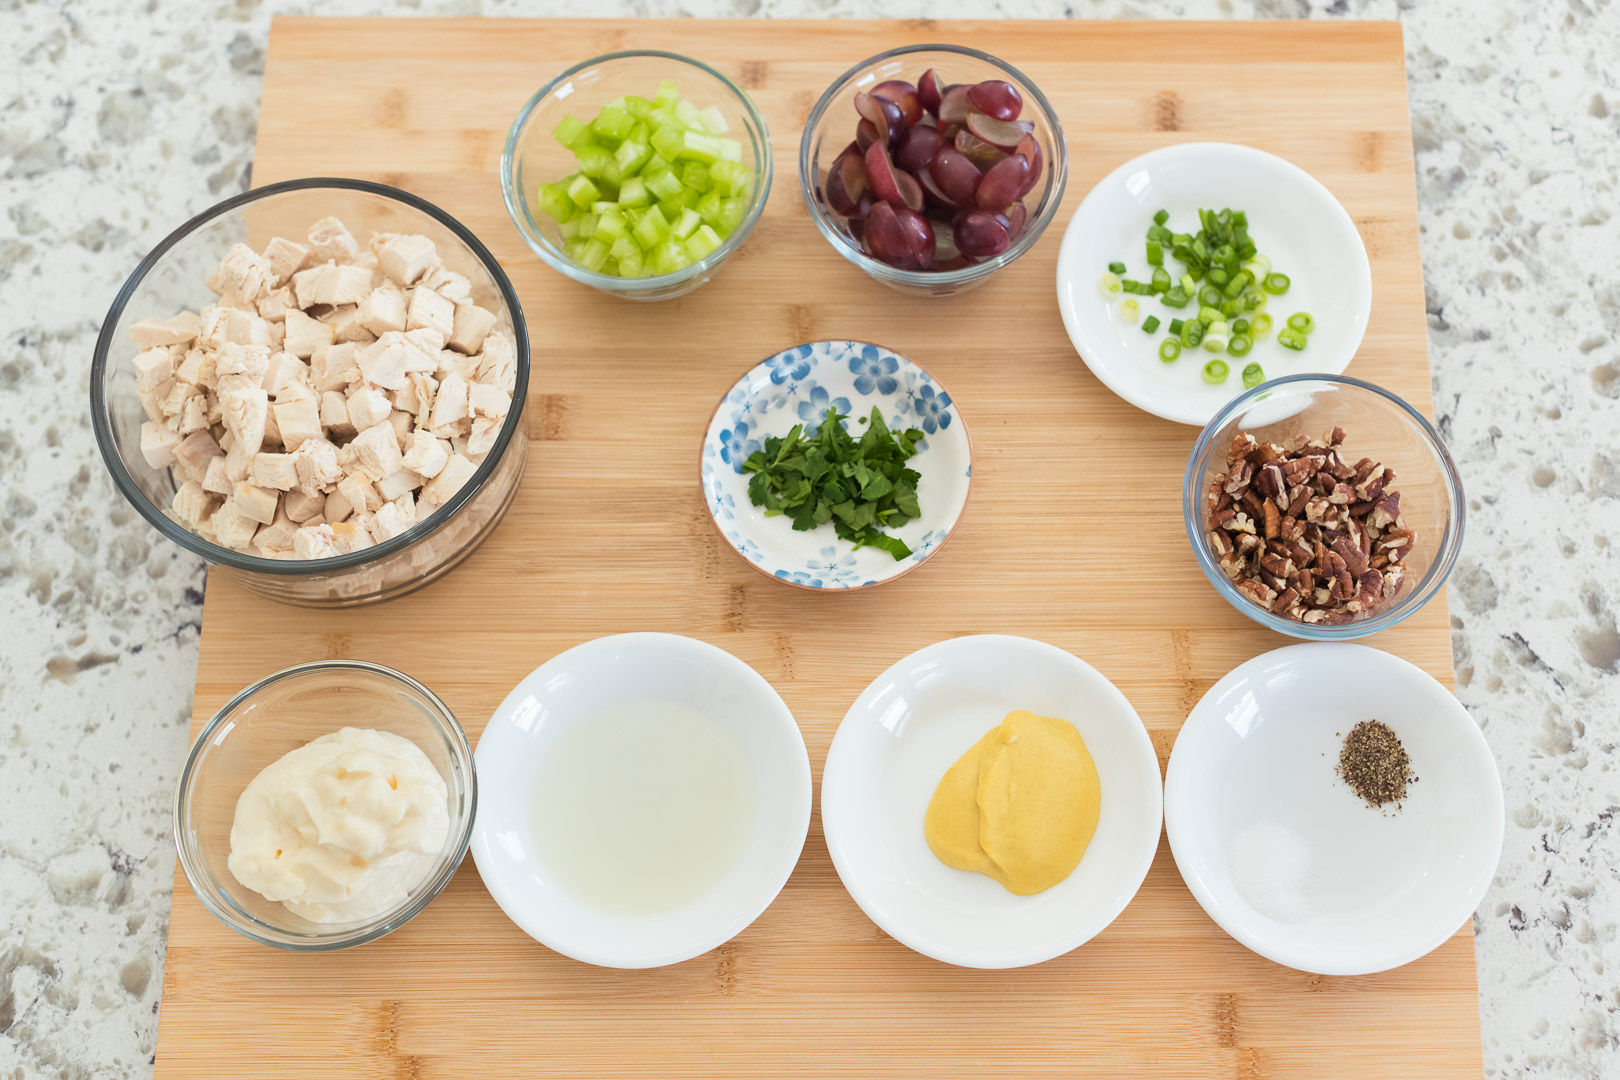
{"points": [[1073, 536]]}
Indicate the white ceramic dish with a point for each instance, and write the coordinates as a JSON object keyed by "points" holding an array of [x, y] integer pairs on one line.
{"points": [[1380, 889], [579, 684], [796, 386], [1294, 220], [895, 743]]}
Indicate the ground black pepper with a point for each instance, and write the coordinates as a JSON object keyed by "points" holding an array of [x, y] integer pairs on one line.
{"points": [[1375, 764]]}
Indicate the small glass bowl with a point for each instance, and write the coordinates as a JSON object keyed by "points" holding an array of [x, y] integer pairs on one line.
{"points": [[172, 278], [282, 712], [1377, 425], [832, 126], [532, 156]]}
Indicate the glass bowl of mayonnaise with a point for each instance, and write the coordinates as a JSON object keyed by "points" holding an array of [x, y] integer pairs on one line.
{"points": [[325, 805]]}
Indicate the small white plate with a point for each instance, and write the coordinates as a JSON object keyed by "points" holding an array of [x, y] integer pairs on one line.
{"points": [[1367, 890], [1295, 221], [572, 688], [796, 386], [908, 727]]}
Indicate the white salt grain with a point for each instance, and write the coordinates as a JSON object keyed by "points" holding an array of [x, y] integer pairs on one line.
{"points": [[1271, 867]]}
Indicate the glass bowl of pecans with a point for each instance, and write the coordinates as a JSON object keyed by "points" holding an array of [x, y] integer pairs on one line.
{"points": [[1323, 507]]}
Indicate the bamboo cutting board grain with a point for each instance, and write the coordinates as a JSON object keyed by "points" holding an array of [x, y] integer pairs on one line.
{"points": [[1073, 536]]}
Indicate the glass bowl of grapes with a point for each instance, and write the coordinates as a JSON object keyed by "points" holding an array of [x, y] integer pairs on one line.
{"points": [[932, 166]]}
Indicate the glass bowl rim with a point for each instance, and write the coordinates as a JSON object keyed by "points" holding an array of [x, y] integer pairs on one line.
{"points": [[355, 933], [518, 210], [928, 278], [219, 554], [1445, 558]]}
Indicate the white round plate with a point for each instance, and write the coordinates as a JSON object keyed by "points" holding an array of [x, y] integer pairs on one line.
{"points": [[797, 386], [1295, 221], [572, 688], [1368, 890], [911, 725]]}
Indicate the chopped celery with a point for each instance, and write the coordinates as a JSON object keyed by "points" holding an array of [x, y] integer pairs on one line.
{"points": [[702, 243], [633, 192], [553, 199], [569, 131], [612, 123], [583, 192]]}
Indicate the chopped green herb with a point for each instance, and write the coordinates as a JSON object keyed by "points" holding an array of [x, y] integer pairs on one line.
{"points": [[1150, 324], [1116, 268]]}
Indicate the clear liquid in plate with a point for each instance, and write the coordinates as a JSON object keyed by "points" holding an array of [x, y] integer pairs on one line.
{"points": [[643, 809]]}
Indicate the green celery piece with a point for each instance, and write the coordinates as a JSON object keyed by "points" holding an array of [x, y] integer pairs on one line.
{"points": [[702, 243], [732, 212], [633, 192], [663, 183], [696, 146], [612, 124], [553, 200], [631, 155], [651, 230], [689, 114], [595, 256], [587, 225], [714, 121], [708, 208], [668, 94], [611, 225], [686, 224], [638, 107], [731, 149], [583, 192], [730, 178], [569, 131], [669, 141], [696, 175], [622, 246], [594, 160]]}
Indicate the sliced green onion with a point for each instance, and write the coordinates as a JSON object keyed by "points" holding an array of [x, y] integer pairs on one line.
{"points": [[1158, 234], [1215, 343], [1174, 298], [1240, 345], [1209, 296], [1276, 284], [1290, 338], [1169, 349], [1110, 285], [1189, 285], [1176, 325], [1231, 308], [1301, 321], [1155, 253], [1161, 217], [1208, 315], [1136, 288], [1240, 326], [1221, 328], [1161, 280], [1150, 324], [1239, 282], [1240, 219], [1215, 372], [1116, 268], [1253, 376], [1217, 277], [1192, 332], [1260, 326], [1130, 310]]}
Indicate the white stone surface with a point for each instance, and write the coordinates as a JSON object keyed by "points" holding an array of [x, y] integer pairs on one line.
{"points": [[118, 120]]}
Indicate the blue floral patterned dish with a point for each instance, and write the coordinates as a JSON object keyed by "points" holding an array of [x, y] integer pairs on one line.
{"points": [[798, 386]]}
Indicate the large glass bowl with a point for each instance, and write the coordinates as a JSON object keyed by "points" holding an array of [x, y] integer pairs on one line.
{"points": [[832, 126], [533, 156], [172, 278], [1377, 425], [282, 712]]}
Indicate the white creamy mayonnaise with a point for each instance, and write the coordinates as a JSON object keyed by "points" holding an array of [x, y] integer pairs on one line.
{"points": [[342, 828]]}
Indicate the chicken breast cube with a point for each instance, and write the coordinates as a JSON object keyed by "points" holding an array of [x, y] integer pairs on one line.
{"points": [[346, 325], [487, 400], [246, 328], [368, 407], [361, 494], [275, 471], [232, 528], [285, 257], [175, 398], [389, 522], [429, 310], [385, 362], [244, 275], [337, 508], [498, 365], [436, 492], [153, 368], [256, 502], [335, 367], [191, 504], [481, 440], [403, 424], [283, 370], [214, 479], [250, 361], [315, 542], [405, 257], [157, 444], [195, 452], [244, 412], [448, 284], [384, 309], [274, 305], [277, 537], [330, 283], [179, 330], [302, 506], [375, 452], [425, 455], [335, 415], [401, 481], [470, 326], [330, 239], [450, 404], [299, 421], [305, 335], [194, 417], [349, 535], [317, 464]]}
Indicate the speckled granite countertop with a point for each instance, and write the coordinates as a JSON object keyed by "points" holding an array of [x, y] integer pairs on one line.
{"points": [[118, 120]]}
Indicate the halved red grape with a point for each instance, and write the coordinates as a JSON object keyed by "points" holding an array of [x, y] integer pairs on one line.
{"points": [[921, 231], [932, 190], [887, 121], [977, 150], [956, 177], [865, 135], [853, 167], [857, 227], [838, 200], [1017, 218], [911, 192], [904, 95], [1003, 184], [918, 148], [1003, 133], [880, 174], [929, 91], [996, 98], [953, 105], [888, 240], [1030, 149], [979, 235], [945, 243]]}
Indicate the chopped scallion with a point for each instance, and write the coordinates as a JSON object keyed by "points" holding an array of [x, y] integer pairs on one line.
{"points": [[1260, 326], [1215, 372], [1116, 268], [1176, 325], [1150, 324], [1155, 253], [1276, 284], [1161, 217], [1110, 285], [1240, 345], [1301, 321], [1253, 376], [1290, 338], [1169, 349], [1130, 310]]}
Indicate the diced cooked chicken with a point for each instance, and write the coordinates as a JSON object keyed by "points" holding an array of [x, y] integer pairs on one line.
{"points": [[425, 455], [285, 257], [197, 368], [244, 411], [403, 424], [158, 443], [448, 284], [233, 528], [437, 491], [211, 327], [405, 257], [330, 239], [429, 310], [338, 508], [275, 304], [173, 403], [416, 396], [317, 464], [246, 328], [487, 400], [284, 369], [194, 416], [346, 325], [390, 521], [481, 440], [237, 461], [305, 335], [191, 504], [429, 342], [181, 329], [277, 537], [302, 506], [375, 452], [349, 536], [384, 309], [153, 368], [335, 367], [386, 362], [498, 365], [315, 542], [368, 406], [215, 480], [331, 283], [238, 367], [335, 415], [471, 326], [256, 502], [361, 494], [244, 275], [401, 481], [273, 471], [299, 420], [450, 404], [196, 452]]}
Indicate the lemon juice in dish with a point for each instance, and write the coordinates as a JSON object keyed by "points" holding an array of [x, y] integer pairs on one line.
{"points": [[643, 809]]}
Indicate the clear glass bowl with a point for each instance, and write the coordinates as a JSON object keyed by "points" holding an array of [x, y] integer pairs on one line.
{"points": [[282, 712], [172, 278], [1378, 425], [832, 126], [532, 156]]}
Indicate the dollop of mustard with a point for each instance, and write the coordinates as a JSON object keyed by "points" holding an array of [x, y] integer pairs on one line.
{"points": [[1020, 806]]}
